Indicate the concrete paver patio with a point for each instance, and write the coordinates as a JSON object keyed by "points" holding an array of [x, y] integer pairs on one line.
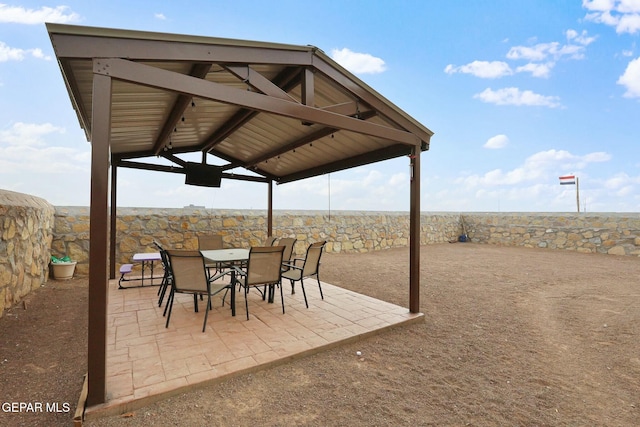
{"points": [[147, 362]]}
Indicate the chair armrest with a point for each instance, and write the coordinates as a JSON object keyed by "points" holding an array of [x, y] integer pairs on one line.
{"points": [[217, 276], [238, 270], [293, 264]]}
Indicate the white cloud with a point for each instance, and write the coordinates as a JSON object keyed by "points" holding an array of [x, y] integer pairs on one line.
{"points": [[541, 57], [580, 38], [598, 156], [538, 52], [8, 53], [630, 79], [624, 15], [541, 166], [495, 142], [399, 179], [537, 70], [54, 160], [29, 134], [160, 16], [621, 184], [360, 189], [514, 96], [482, 69], [20, 15], [553, 50], [358, 63]]}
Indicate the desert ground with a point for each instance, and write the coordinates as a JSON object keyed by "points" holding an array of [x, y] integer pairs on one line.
{"points": [[511, 336]]}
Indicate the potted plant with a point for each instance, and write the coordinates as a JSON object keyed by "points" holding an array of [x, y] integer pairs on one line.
{"points": [[62, 268]]}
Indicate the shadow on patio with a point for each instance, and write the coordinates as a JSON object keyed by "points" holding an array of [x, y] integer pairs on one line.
{"points": [[147, 362]]}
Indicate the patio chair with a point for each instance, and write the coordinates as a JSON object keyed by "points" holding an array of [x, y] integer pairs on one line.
{"points": [[190, 276], [288, 243], [305, 267], [269, 241], [166, 278], [263, 270], [211, 242]]}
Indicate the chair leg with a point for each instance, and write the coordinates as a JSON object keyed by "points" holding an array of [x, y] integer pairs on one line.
{"points": [[162, 291], [169, 306], [304, 292], [169, 298], [246, 303], [225, 296], [206, 313], [282, 297], [195, 302], [319, 285]]}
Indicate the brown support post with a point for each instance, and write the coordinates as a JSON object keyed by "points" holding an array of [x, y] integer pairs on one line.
{"points": [[414, 232], [112, 227], [98, 283], [270, 210]]}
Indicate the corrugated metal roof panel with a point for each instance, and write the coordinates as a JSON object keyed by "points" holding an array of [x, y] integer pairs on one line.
{"points": [[250, 114]]}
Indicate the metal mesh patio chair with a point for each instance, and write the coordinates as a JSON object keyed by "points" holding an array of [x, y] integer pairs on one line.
{"points": [[308, 266], [288, 243], [166, 278], [190, 276], [211, 242], [263, 270]]}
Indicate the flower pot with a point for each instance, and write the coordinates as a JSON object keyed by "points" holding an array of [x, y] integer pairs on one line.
{"points": [[63, 270]]}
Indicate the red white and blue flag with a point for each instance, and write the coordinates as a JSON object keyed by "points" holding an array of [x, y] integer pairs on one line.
{"points": [[568, 180]]}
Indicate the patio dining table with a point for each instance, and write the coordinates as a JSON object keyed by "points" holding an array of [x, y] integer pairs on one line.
{"points": [[225, 257]]}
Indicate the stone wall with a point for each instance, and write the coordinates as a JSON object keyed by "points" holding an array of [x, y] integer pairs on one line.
{"points": [[25, 239], [33, 230], [71, 236], [607, 233], [345, 231]]}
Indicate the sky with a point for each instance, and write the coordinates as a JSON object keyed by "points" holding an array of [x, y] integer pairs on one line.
{"points": [[517, 93]]}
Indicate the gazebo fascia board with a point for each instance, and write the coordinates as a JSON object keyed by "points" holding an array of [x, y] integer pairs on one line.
{"points": [[290, 99]]}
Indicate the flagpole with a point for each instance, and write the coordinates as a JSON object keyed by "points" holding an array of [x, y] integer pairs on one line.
{"points": [[578, 193]]}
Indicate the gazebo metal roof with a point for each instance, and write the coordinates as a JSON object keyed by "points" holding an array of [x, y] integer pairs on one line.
{"points": [[283, 112], [255, 111]]}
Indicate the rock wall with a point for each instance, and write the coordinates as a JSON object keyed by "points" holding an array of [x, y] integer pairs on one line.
{"points": [[607, 233], [345, 231], [25, 240], [33, 230]]}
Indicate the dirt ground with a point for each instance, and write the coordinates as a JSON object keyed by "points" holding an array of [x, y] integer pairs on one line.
{"points": [[512, 336]]}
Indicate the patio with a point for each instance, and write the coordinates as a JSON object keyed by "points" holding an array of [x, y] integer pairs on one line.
{"points": [[147, 362]]}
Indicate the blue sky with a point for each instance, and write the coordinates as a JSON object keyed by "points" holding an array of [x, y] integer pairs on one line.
{"points": [[518, 93]]}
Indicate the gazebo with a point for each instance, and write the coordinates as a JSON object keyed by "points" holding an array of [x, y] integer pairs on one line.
{"points": [[256, 111]]}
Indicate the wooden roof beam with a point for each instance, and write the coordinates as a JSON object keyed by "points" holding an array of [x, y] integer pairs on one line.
{"points": [[177, 111], [386, 153], [319, 134], [134, 72], [287, 80]]}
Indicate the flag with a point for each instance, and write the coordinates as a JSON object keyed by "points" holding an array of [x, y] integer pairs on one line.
{"points": [[568, 180]]}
